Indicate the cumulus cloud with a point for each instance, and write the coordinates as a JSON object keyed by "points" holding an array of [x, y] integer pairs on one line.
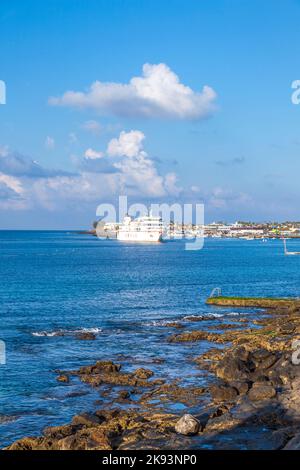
{"points": [[93, 154], [128, 144], [124, 168], [157, 93], [138, 173]]}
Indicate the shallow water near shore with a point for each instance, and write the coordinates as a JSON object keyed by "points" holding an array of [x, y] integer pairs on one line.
{"points": [[56, 284]]}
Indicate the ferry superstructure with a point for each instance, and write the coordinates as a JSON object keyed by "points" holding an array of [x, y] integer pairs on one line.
{"points": [[142, 229]]}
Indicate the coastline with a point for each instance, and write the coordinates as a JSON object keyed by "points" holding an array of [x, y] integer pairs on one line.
{"points": [[252, 402]]}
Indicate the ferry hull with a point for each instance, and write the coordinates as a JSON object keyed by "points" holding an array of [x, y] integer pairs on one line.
{"points": [[151, 237]]}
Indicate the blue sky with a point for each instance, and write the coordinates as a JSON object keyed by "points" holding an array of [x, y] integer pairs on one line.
{"points": [[236, 149]]}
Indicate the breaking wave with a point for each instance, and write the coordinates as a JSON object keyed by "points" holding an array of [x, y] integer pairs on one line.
{"points": [[62, 332]]}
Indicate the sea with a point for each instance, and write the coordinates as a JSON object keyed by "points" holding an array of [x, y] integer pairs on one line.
{"points": [[55, 284]]}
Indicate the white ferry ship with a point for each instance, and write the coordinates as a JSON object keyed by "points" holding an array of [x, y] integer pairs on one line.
{"points": [[142, 229]]}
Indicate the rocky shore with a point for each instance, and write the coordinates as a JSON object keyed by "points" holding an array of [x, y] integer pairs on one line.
{"points": [[251, 402]]}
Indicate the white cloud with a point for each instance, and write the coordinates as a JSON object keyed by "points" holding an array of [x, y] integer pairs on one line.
{"points": [[49, 143], [138, 173], [93, 154], [171, 180], [125, 168], [11, 193], [129, 144], [12, 183], [158, 93]]}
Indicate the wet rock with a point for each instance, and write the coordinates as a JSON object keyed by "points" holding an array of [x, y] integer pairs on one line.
{"points": [[263, 359], [63, 378], [287, 329], [213, 354], [107, 372], [100, 366], [187, 425], [60, 432], [98, 439], [221, 423], [191, 336], [294, 443], [173, 393], [232, 369], [241, 387], [241, 353], [173, 324], [260, 355], [85, 336], [143, 373], [27, 443], [258, 377], [220, 393], [261, 391], [124, 394], [86, 419], [219, 411], [224, 326]]}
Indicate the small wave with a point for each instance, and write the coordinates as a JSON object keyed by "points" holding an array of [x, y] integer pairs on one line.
{"points": [[215, 315], [67, 332], [209, 316], [7, 419], [161, 322]]}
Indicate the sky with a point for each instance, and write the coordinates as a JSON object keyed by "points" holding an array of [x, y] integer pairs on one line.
{"points": [[178, 101]]}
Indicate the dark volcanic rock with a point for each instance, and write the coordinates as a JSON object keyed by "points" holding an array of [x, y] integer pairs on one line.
{"points": [[63, 378], [294, 443], [143, 373], [124, 394], [263, 359], [232, 368], [173, 324], [100, 366], [59, 432], [85, 336], [241, 387], [261, 391], [87, 420], [221, 393]]}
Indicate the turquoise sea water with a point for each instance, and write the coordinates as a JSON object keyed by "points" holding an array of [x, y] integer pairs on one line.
{"points": [[53, 284]]}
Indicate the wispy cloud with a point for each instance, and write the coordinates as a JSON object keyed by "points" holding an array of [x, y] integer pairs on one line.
{"points": [[92, 126], [231, 162], [16, 164]]}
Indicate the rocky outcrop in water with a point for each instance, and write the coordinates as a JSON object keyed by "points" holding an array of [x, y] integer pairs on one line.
{"points": [[253, 400]]}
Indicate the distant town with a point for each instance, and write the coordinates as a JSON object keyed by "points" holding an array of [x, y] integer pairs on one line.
{"points": [[240, 229]]}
